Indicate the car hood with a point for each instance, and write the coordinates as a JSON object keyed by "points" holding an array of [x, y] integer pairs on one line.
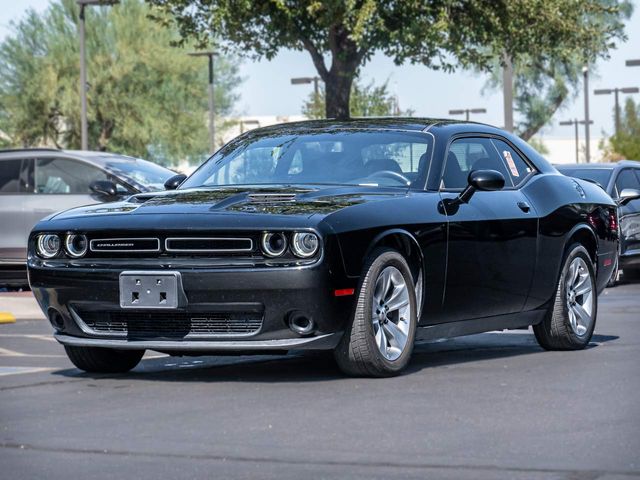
{"points": [[307, 202]]}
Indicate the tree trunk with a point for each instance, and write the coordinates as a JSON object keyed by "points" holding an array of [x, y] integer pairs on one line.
{"points": [[345, 60], [338, 94]]}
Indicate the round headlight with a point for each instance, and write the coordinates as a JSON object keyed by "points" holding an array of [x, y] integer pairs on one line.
{"points": [[76, 245], [273, 244], [48, 245], [304, 244]]}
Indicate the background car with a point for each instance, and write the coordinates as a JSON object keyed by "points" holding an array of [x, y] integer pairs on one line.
{"points": [[615, 178], [35, 183]]}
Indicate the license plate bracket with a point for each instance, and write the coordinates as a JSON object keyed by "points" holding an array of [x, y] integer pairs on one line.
{"points": [[150, 290]]}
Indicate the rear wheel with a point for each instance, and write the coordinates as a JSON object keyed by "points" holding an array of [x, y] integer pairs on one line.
{"points": [[571, 319], [103, 360], [379, 340]]}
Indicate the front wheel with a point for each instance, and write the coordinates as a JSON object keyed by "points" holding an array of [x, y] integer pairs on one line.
{"points": [[571, 319], [379, 340], [103, 360]]}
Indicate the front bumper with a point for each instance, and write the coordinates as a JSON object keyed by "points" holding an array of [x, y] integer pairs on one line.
{"points": [[71, 291], [319, 342]]}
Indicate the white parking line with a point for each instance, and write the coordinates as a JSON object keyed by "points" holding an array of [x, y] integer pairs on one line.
{"points": [[48, 338], [4, 371]]}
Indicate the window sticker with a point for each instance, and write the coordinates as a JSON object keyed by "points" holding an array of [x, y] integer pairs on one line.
{"points": [[511, 163]]}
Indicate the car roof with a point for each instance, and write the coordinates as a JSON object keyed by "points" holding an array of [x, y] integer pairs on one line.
{"points": [[96, 158]]}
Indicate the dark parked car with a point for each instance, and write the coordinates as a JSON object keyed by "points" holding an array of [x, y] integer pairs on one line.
{"points": [[621, 180], [35, 183], [362, 237]]}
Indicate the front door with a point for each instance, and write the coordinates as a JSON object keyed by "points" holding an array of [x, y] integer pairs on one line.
{"points": [[492, 239], [629, 213]]}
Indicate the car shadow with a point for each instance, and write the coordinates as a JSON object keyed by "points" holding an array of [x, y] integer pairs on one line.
{"points": [[301, 367]]}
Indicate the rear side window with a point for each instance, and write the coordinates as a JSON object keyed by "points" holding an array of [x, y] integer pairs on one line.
{"points": [[627, 179], [517, 167], [64, 176], [468, 154], [10, 176]]}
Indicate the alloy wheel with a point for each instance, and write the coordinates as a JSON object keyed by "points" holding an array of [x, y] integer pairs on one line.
{"points": [[579, 296], [391, 313]]}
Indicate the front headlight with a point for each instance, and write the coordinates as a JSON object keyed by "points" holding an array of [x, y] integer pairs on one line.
{"points": [[76, 245], [304, 244], [273, 244], [48, 245]]}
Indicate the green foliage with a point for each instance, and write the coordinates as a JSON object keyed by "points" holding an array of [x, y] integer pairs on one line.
{"points": [[437, 33], [543, 84], [539, 145], [145, 97], [626, 144], [368, 100]]}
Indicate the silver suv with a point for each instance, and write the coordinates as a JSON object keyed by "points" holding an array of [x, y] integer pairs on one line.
{"points": [[35, 183]]}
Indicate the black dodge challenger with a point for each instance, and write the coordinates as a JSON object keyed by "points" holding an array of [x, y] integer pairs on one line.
{"points": [[362, 237]]}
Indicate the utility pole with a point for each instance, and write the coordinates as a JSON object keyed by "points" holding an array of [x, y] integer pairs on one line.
{"points": [[585, 72], [212, 101], [307, 80], [616, 91], [507, 93], [575, 124], [84, 124], [467, 111], [633, 63]]}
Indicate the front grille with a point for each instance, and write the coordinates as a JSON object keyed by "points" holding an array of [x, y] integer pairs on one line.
{"points": [[127, 245], [211, 244], [175, 325]]}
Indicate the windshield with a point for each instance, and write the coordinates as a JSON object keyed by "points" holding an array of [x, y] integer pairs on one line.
{"points": [[141, 173], [599, 175], [346, 157]]}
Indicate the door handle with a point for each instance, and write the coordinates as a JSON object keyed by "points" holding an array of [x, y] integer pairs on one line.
{"points": [[524, 206]]}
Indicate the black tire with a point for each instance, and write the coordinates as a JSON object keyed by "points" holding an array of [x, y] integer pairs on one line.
{"points": [[630, 274], [103, 360], [555, 332], [357, 354]]}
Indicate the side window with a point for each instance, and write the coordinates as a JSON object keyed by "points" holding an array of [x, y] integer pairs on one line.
{"points": [[467, 154], [10, 172], [626, 179], [64, 176], [518, 168]]}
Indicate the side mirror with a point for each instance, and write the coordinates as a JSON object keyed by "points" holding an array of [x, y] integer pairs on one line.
{"points": [[104, 187], [174, 182], [627, 195], [484, 180]]}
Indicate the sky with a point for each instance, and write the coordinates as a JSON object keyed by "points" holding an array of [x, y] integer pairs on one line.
{"points": [[266, 89]]}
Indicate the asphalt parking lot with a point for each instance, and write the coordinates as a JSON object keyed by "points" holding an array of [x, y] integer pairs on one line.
{"points": [[486, 406]]}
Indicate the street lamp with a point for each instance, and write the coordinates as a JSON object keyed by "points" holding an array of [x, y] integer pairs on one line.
{"points": [[575, 123], [467, 111], [633, 63], [212, 102], [616, 91], [243, 123], [585, 73], [306, 80], [84, 128]]}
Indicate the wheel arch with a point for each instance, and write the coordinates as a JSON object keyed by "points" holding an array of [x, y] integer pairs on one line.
{"points": [[584, 235], [407, 245]]}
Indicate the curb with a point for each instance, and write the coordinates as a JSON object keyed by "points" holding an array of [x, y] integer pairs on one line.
{"points": [[6, 317]]}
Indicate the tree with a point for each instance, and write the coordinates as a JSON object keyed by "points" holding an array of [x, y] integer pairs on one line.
{"points": [[544, 84], [341, 35], [365, 101], [145, 97], [626, 143]]}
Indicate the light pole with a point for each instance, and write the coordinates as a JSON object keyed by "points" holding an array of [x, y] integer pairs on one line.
{"points": [[84, 126], [585, 73], [467, 111], [507, 93], [212, 102], [306, 80], [633, 63], [575, 123], [616, 91]]}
